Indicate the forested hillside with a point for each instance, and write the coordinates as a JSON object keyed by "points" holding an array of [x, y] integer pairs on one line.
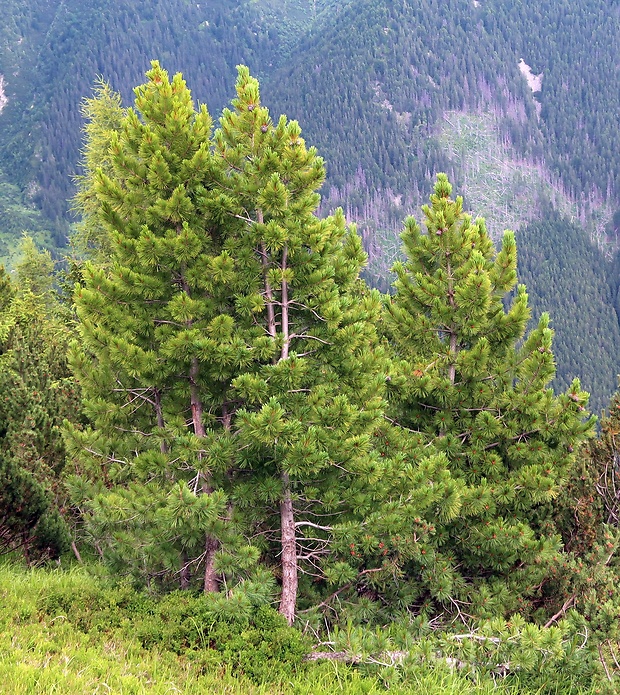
{"points": [[371, 83]]}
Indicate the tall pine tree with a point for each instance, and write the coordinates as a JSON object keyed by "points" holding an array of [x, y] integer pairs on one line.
{"points": [[305, 413], [147, 314], [228, 349]]}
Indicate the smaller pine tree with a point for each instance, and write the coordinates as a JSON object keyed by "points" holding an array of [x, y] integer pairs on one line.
{"points": [[473, 384], [38, 394]]}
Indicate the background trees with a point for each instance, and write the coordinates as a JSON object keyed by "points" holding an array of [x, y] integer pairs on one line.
{"points": [[39, 393]]}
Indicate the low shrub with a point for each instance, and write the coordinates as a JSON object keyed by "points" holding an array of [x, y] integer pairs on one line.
{"points": [[253, 640]]}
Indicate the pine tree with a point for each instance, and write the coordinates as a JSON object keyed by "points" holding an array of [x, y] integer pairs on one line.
{"points": [[230, 307], [34, 269], [586, 513], [103, 113], [28, 522], [153, 345], [595, 486], [38, 395], [305, 410], [475, 386]]}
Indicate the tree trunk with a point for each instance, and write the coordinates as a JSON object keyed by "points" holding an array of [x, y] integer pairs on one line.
{"points": [[210, 584], [288, 601], [76, 552], [452, 367], [211, 543], [285, 327], [271, 312]]}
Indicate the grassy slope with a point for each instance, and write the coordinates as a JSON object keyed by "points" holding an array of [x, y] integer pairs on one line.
{"points": [[43, 654]]}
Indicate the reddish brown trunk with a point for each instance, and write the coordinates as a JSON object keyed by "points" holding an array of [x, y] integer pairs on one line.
{"points": [[226, 417], [76, 552], [211, 544], [211, 582], [288, 601], [271, 312], [452, 367]]}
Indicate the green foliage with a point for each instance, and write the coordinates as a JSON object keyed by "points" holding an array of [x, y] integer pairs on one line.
{"points": [[34, 269], [82, 630], [367, 89], [306, 419], [17, 215], [235, 381], [103, 113], [210, 630], [227, 301], [147, 200], [39, 394], [251, 638], [28, 523], [473, 386], [587, 512], [512, 652]]}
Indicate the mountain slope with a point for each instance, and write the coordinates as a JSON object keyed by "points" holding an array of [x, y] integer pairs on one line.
{"points": [[399, 68]]}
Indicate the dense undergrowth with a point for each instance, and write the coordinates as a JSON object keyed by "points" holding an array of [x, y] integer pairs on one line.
{"points": [[71, 632]]}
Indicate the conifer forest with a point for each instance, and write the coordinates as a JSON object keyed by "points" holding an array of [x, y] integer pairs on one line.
{"points": [[310, 339]]}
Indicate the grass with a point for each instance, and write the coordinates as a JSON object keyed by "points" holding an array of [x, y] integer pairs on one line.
{"points": [[46, 653]]}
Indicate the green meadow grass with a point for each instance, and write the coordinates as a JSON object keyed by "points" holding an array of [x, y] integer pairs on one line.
{"points": [[44, 654]]}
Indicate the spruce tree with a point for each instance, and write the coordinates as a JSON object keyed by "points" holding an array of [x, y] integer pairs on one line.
{"points": [[473, 384]]}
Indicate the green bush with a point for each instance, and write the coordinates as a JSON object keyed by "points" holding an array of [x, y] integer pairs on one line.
{"points": [[91, 607], [208, 629]]}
